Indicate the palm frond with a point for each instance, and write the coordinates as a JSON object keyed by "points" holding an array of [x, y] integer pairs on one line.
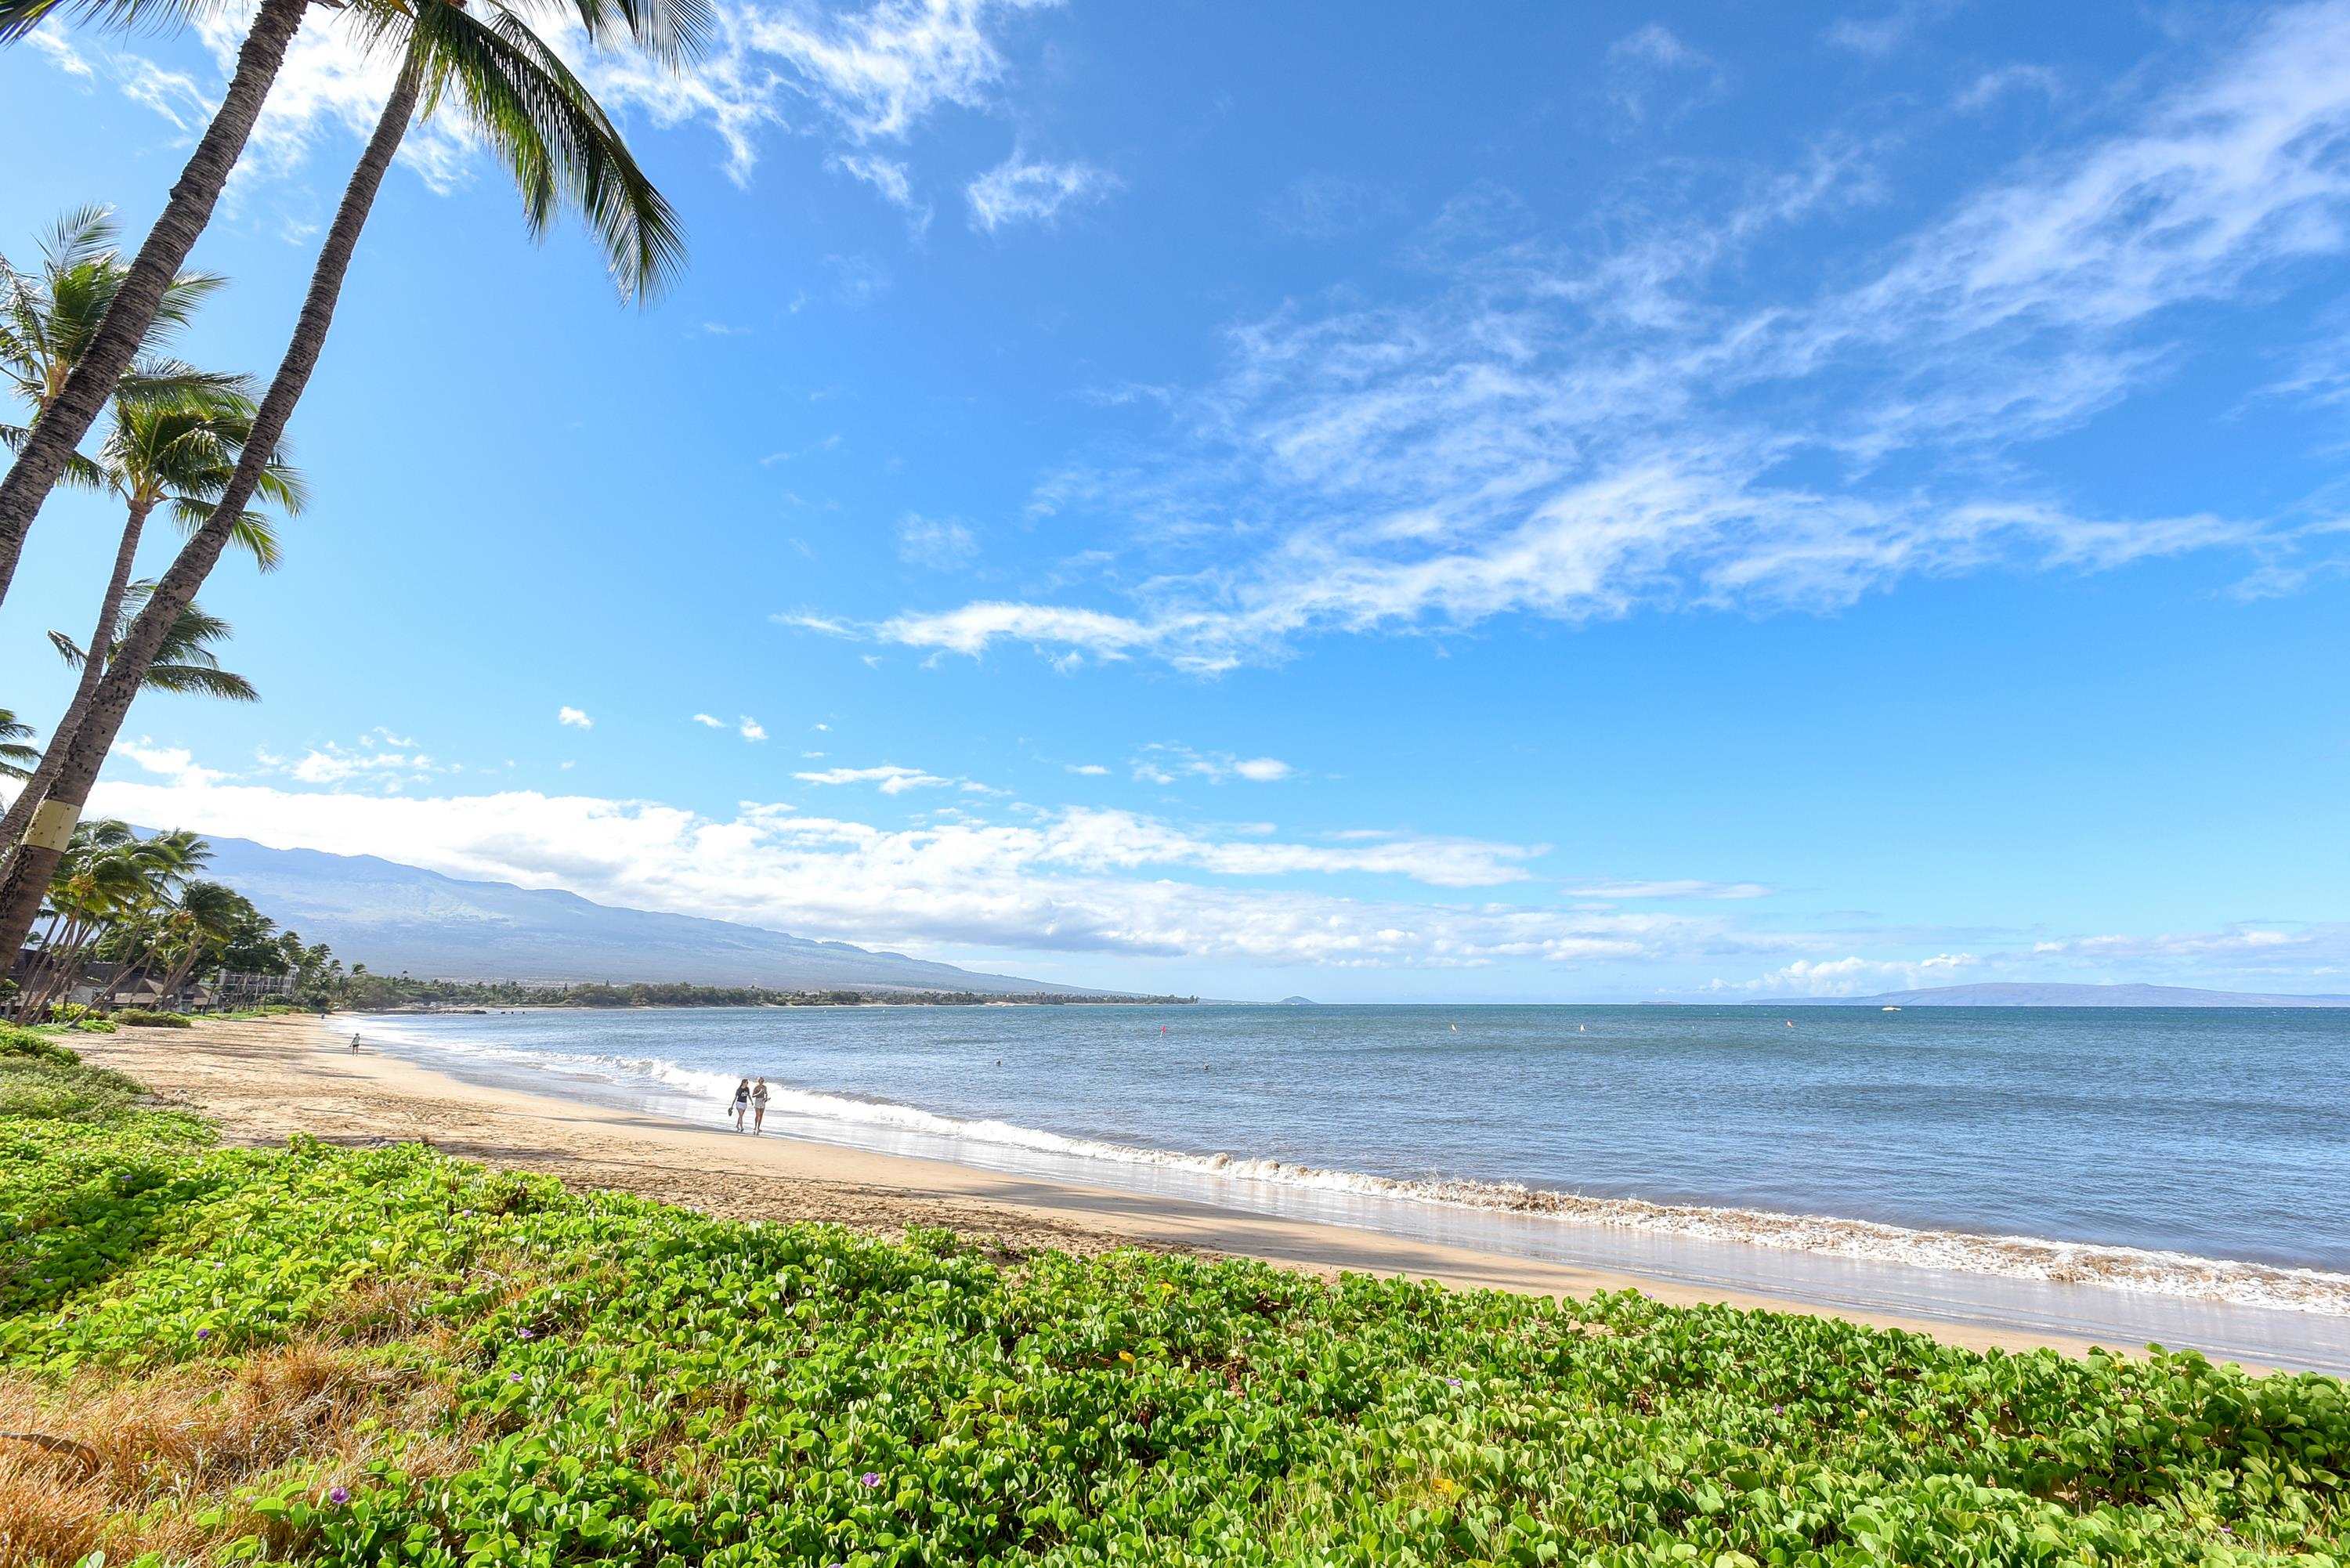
{"points": [[67, 649], [18, 17], [252, 532], [79, 471], [557, 141], [78, 238], [201, 681], [171, 383], [670, 31]]}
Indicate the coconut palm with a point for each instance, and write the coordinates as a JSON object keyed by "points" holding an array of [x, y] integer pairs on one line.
{"points": [[668, 29], [17, 760], [563, 151], [108, 876], [50, 315], [186, 663], [177, 456]]}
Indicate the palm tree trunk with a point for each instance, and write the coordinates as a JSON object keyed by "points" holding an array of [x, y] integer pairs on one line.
{"points": [[93, 667], [53, 820], [66, 420]]}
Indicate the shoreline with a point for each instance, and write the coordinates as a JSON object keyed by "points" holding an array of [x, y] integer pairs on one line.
{"points": [[262, 1081]]}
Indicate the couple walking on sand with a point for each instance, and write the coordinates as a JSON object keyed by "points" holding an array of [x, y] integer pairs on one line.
{"points": [[752, 1101]]}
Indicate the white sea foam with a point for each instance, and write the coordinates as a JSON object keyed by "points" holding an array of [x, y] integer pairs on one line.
{"points": [[2175, 1274]]}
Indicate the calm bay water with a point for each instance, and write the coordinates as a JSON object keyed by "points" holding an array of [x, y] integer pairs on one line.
{"points": [[2224, 1134]]}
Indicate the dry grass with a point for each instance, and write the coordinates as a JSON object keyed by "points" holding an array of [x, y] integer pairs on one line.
{"points": [[149, 1463]]}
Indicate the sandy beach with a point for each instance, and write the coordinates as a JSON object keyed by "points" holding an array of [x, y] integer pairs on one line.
{"points": [[263, 1081]]}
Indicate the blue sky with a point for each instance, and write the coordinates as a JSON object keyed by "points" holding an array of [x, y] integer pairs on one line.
{"points": [[1513, 501]]}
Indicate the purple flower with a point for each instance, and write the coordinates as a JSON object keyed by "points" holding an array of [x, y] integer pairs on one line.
{"points": [[870, 1478], [513, 1376], [339, 1496], [1452, 1382], [204, 1334], [530, 1333]]}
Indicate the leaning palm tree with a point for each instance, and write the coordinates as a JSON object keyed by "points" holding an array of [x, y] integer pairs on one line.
{"points": [[563, 151], [108, 878], [186, 665], [668, 29], [177, 456]]}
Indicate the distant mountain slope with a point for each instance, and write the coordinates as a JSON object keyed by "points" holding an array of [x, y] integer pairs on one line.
{"points": [[391, 918], [2020, 995]]}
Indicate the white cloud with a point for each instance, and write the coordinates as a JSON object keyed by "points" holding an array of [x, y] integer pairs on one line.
{"points": [[893, 780], [750, 729], [51, 42], [941, 544], [1076, 880], [1162, 762], [1643, 63], [891, 178], [1576, 435], [1084, 879], [1881, 33], [1023, 191], [1853, 976], [1993, 85], [863, 75], [1088, 770], [1673, 887], [710, 720], [574, 717], [172, 762]]}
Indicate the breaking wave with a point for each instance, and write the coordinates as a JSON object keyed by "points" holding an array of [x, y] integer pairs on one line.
{"points": [[2176, 1274]]}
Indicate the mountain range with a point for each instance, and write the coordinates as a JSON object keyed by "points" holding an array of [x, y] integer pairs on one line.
{"points": [[395, 918]]}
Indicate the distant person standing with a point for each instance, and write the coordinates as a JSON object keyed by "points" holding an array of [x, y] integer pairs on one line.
{"points": [[355, 1041], [741, 1103], [758, 1107]]}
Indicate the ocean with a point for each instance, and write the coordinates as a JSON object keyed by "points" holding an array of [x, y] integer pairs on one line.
{"points": [[2127, 1174]]}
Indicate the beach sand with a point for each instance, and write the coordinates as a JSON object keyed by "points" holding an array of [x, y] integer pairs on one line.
{"points": [[263, 1081]]}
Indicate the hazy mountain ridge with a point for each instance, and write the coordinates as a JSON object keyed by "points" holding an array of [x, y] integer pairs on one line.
{"points": [[2025, 995], [392, 918]]}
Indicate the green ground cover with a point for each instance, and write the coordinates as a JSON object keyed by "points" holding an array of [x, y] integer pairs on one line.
{"points": [[509, 1371]]}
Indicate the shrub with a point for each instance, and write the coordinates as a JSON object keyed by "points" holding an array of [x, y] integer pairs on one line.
{"points": [[147, 1018], [624, 1382], [94, 1026], [17, 1041]]}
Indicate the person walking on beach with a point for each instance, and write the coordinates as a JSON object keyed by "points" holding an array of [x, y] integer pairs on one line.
{"points": [[355, 1042], [742, 1102], [758, 1107]]}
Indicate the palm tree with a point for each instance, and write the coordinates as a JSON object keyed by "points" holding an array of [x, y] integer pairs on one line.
{"points": [[17, 760], [186, 663], [50, 315], [176, 455], [563, 151], [669, 29], [108, 876]]}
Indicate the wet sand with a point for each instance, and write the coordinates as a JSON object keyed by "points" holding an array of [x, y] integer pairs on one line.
{"points": [[265, 1081]]}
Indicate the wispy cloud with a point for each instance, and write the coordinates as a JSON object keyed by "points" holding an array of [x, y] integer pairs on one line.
{"points": [[1020, 191], [1162, 762], [1577, 435], [890, 778], [575, 718], [1649, 63], [941, 544]]}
